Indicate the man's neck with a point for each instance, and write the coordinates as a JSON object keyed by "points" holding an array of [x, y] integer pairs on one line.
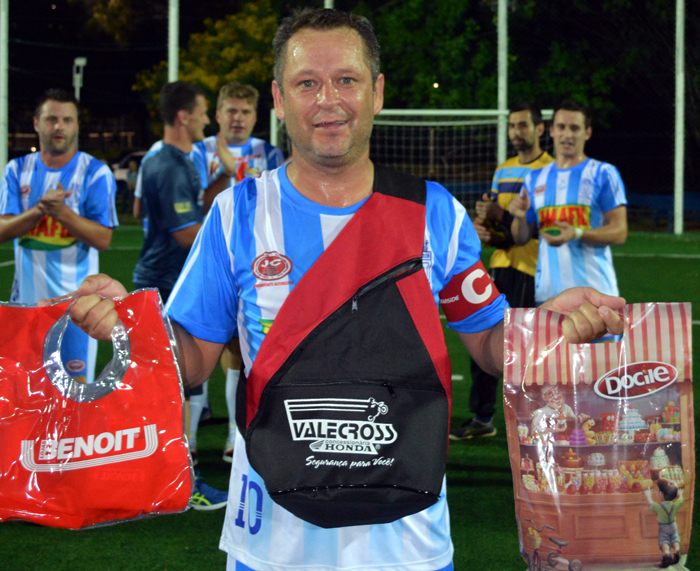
{"points": [[237, 142], [337, 187], [525, 157], [569, 162], [57, 161], [177, 137]]}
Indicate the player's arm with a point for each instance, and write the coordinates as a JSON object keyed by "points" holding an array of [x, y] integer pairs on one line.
{"points": [[83, 229], [137, 208], [612, 233], [15, 225], [223, 181], [520, 228], [185, 236], [590, 315]]}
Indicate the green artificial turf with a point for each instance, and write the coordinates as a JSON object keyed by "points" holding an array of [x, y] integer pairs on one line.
{"points": [[650, 267]]}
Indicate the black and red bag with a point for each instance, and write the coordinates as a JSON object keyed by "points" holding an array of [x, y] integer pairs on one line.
{"points": [[347, 405], [75, 455]]}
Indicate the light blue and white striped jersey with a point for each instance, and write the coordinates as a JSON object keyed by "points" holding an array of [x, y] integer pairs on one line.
{"points": [[581, 196], [267, 220], [252, 158], [49, 262]]}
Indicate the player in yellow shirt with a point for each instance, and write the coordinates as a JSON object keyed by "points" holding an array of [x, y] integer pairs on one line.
{"points": [[512, 267]]}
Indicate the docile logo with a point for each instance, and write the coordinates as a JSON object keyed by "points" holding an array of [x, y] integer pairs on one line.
{"points": [[635, 380]]}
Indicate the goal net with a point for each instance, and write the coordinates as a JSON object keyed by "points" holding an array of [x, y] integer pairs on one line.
{"points": [[456, 148]]}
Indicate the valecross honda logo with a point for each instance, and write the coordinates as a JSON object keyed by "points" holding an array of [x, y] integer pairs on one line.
{"points": [[344, 426], [635, 380], [96, 449]]}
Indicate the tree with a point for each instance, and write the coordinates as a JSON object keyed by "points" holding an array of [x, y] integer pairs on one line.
{"points": [[237, 47]]}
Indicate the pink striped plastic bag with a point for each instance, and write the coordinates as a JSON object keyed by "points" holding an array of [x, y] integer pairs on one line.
{"points": [[601, 440]]}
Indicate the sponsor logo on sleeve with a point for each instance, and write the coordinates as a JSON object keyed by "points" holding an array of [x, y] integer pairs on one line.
{"points": [[467, 293], [183, 207]]}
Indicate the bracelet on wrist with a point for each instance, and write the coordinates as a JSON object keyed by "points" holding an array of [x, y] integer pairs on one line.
{"points": [[578, 233]]}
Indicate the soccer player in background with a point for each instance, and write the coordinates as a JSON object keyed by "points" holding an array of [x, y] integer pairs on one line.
{"points": [[229, 157], [171, 190], [58, 206], [512, 267], [579, 206]]}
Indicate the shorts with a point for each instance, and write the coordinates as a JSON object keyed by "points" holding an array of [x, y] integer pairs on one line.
{"points": [[668, 534], [234, 565]]}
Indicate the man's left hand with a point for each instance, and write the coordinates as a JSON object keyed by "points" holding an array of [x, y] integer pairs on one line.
{"points": [[590, 314], [567, 234]]}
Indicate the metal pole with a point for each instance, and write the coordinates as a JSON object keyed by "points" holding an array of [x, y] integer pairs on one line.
{"points": [[4, 77], [328, 4], [78, 64], [680, 119], [173, 39], [274, 134], [502, 139]]}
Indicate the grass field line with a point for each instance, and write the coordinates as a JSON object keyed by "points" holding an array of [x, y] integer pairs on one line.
{"points": [[682, 256]]}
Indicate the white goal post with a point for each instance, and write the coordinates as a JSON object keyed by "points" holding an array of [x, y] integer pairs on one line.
{"points": [[457, 148]]}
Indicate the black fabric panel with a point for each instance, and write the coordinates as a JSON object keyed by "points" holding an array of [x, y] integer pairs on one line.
{"points": [[378, 341], [399, 184]]}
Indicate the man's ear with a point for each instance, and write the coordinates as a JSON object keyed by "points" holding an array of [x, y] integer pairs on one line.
{"points": [[278, 98], [540, 129], [36, 125], [182, 117]]}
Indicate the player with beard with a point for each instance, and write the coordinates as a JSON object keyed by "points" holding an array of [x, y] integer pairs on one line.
{"points": [[58, 206], [512, 267]]}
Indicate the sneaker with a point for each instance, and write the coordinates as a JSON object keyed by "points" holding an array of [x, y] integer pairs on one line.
{"points": [[228, 452], [205, 497], [472, 428]]}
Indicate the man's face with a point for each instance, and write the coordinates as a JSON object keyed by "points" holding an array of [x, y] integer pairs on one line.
{"points": [[197, 119], [522, 132], [569, 133], [57, 126], [236, 118], [328, 103], [554, 398]]}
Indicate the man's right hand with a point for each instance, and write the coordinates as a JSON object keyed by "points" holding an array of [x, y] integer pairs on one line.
{"points": [[519, 205], [481, 231], [488, 209], [94, 311]]}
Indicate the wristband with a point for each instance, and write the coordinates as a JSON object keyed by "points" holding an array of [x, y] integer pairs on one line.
{"points": [[578, 232]]}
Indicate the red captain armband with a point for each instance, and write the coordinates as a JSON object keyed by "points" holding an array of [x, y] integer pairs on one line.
{"points": [[467, 293]]}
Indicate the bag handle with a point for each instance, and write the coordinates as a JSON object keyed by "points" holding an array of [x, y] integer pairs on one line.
{"points": [[108, 379]]}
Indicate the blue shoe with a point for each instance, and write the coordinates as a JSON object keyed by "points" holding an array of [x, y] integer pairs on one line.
{"points": [[206, 498]]}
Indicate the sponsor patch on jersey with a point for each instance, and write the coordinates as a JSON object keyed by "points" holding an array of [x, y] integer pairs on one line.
{"points": [[574, 214], [271, 266], [340, 426], [47, 234], [266, 324], [75, 365], [183, 207], [540, 189], [25, 189], [467, 293]]}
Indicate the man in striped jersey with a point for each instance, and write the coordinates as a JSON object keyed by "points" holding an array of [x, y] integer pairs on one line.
{"points": [[512, 267], [263, 236], [58, 206], [579, 206]]}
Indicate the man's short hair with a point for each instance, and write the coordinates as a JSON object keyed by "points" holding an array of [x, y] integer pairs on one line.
{"points": [[175, 97], [668, 489], [572, 105], [535, 111], [238, 90], [324, 19], [54, 94]]}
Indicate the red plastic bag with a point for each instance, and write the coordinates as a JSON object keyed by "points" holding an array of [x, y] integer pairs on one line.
{"points": [[75, 455], [594, 432]]}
